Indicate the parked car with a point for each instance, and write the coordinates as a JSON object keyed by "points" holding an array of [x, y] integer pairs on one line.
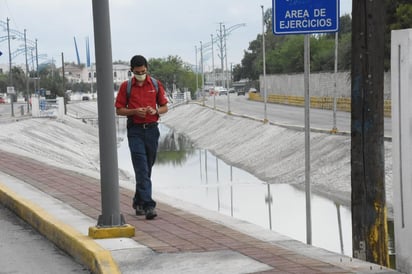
{"points": [[2, 100], [241, 92], [218, 91], [222, 91], [231, 90]]}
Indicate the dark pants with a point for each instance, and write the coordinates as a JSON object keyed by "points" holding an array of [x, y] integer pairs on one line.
{"points": [[143, 143]]}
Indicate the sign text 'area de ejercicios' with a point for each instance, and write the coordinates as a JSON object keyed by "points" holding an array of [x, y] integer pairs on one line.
{"points": [[305, 16]]}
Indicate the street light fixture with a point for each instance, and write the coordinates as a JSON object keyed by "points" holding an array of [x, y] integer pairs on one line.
{"points": [[223, 56]]}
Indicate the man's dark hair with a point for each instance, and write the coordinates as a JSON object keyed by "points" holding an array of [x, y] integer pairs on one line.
{"points": [[138, 61]]}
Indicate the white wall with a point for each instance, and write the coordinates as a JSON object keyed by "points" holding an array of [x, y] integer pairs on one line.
{"points": [[320, 84], [401, 79]]}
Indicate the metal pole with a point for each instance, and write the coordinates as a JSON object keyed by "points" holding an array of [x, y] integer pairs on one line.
{"points": [[8, 39], [107, 134], [197, 72], [214, 73], [10, 72], [27, 72], [335, 129], [63, 86], [226, 82], [221, 52], [201, 70], [307, 141], [265, 119], [37, 69]]}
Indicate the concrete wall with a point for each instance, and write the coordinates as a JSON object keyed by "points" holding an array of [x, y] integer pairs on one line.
{"points": [[401, 67], [321, 84]]}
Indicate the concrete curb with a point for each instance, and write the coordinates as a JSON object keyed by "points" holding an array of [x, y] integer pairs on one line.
{"points": [[79, 246]]}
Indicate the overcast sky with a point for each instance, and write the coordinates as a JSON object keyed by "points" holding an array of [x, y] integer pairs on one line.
{"points": [[153, 28]]}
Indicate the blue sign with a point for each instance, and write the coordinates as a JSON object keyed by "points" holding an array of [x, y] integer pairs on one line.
{"points": [[305, 16]]}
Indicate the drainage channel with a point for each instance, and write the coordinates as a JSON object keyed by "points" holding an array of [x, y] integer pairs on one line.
{"points": [[196, 176]]}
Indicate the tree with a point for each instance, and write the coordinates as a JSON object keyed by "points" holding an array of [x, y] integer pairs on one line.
{"points": [[3, 83], [51, 80], [398, 16], [171, 71], [19, 79], [284, 53]]}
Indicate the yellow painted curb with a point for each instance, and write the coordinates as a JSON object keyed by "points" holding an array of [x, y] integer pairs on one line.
{"points": [[96, 232], [81, 247]]}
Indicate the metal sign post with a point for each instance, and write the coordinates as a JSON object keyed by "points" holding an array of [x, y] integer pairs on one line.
{"points": [[306, 17]]}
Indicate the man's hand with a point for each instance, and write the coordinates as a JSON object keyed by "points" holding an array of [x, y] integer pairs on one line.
{"points": [[141, 112], [151, 110]]}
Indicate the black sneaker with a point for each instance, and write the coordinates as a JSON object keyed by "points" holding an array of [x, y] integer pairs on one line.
{"points": [[150, 213], [139, 210]]}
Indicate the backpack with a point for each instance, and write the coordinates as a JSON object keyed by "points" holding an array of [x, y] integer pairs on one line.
{"points": [[128, 91], [129, 87]]}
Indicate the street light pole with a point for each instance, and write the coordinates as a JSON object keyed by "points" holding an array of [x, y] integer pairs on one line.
{"points": [[335, 129], [221, 51], [264, 66], [214, 73], [27, 71], [197, 72], [223, 55], [10, 72], [37, 68], [201, 71], [8, 39], [226, 81]]}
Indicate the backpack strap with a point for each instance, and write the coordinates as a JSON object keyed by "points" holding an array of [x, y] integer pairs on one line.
{"points": [[155, 84], [129, 88]]}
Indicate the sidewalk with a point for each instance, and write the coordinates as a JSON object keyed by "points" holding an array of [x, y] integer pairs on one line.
{"points": [[63, 204]]}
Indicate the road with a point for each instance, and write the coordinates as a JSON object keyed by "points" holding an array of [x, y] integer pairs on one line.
{"points": [[24, 250], [288, 115]]}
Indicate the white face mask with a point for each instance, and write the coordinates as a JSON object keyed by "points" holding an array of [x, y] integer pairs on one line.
{"points": [[140, 77]]}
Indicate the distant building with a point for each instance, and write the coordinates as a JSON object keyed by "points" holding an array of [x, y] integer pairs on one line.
{"points": [[81, 74]]}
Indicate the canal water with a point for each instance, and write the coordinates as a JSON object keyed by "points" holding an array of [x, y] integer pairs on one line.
{"points": [[196, 176]]}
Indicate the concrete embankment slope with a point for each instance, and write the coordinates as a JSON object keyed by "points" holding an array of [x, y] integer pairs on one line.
{"points": [[273, 153]]}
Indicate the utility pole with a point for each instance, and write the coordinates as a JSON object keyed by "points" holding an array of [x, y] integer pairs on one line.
{"points": [[10, 70], [37, 80], [222, 55], [213, 71], [369, 213], [197, 72], [265, 95], [64, 86], [202, 73], [226, 80], [27, 72]]}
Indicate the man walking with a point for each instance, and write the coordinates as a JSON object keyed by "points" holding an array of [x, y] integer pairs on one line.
{"points": [[142, 99]]}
